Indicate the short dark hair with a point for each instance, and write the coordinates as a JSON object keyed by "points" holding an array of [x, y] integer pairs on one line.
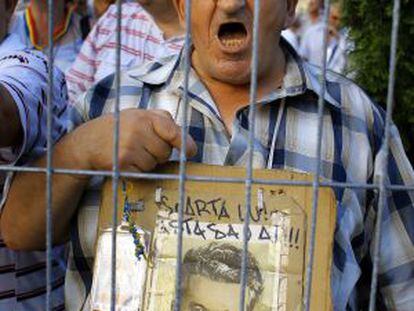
{"points": [[222, 262]]}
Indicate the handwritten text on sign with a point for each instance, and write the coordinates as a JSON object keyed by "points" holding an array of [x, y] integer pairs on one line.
{"points": [[232, 229]]}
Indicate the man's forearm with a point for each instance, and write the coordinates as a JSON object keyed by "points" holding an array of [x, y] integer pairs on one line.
{"points": [[23, 221], [10, 127], [146, 139]]}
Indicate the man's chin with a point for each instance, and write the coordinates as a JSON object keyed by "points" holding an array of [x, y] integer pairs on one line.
{"points": [[236, 80], [234, 76]]}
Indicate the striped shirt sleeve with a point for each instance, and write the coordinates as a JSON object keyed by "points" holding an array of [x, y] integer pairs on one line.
{"points": [[24, 74], [81, 75]]}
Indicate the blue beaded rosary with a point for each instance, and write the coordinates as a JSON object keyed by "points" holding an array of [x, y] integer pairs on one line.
{"points": [[131, 225]]}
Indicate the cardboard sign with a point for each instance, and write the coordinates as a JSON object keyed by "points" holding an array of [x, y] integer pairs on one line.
{"points": [[214, 214]]}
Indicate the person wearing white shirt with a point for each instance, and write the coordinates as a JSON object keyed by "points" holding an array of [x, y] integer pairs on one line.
{"points": [[311, 47], [311, 16]]}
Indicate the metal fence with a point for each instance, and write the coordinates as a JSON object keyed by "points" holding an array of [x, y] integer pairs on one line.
{"points": [[182, 177]]}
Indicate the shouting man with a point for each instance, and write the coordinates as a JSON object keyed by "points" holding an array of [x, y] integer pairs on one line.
{"points": [[151, 100]]}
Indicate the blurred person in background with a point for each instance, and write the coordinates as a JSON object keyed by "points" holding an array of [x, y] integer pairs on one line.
{"points": [[312, 16], [311, 47], [315, 8], [31, 25], [150, 31], [23, 107]]}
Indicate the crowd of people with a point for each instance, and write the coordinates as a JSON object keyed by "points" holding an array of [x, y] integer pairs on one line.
{"points": [[152, 79]]}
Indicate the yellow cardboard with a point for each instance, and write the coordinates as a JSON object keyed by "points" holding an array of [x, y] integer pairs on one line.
{"points": [[215, 205]]}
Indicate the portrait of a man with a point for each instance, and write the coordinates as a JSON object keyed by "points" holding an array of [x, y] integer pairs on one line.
{"points": [[211, 279]]}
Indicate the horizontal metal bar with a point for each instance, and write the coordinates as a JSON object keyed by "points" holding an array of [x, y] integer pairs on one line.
{"points": [[399, 188], [4, 168], [153, 176]]}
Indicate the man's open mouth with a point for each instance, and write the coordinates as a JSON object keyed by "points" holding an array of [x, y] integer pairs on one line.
{"points": [[233, 35]]}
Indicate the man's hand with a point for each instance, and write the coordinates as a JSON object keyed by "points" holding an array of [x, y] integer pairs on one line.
{"points": [[146, 139]]}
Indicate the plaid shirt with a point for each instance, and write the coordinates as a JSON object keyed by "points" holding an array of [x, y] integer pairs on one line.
{"points": [[353, 130]]}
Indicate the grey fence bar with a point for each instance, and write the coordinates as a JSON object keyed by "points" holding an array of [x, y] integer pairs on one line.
{"points": [[280, 182], [49, 172], [183, 158], [249, 171], [115, 168], [383, 186], [383, 193], [316, 182]]}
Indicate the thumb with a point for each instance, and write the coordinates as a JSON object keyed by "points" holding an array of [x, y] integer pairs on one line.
{"points": [[191, 147], [170, 132]]}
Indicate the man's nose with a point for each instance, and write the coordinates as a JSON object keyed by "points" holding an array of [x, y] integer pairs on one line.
{"points": [[231, 6]]}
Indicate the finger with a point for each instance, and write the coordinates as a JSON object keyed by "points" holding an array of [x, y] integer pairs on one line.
{"points": [[170, 132], [137, 159], [191, 147], [130, 169], [159, 149], [144, 160], [164, 126], [162, 113]]}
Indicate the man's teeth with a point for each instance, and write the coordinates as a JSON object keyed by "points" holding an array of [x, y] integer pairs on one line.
{"points": [[232, 42]]}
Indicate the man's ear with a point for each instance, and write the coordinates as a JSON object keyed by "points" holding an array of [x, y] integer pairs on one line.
{"points": [[291, 12], [180, 8]]}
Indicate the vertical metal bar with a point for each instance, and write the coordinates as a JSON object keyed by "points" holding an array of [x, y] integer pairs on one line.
{"points": [[316, 182], [183, 158], [49, 158], [249, 173], [115, 167], [382, 202]]}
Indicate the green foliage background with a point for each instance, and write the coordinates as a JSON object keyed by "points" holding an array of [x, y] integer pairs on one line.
{"points": [[370, 23]]}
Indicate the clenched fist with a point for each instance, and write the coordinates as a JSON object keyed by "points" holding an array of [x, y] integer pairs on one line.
{"points": [[146, 139]]}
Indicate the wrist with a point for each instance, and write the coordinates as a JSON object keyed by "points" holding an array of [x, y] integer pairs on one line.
{"points": [[72, 153]]}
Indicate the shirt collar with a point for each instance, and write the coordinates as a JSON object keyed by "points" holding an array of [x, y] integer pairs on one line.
{"points": [[299, 77], [11, 43]]}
